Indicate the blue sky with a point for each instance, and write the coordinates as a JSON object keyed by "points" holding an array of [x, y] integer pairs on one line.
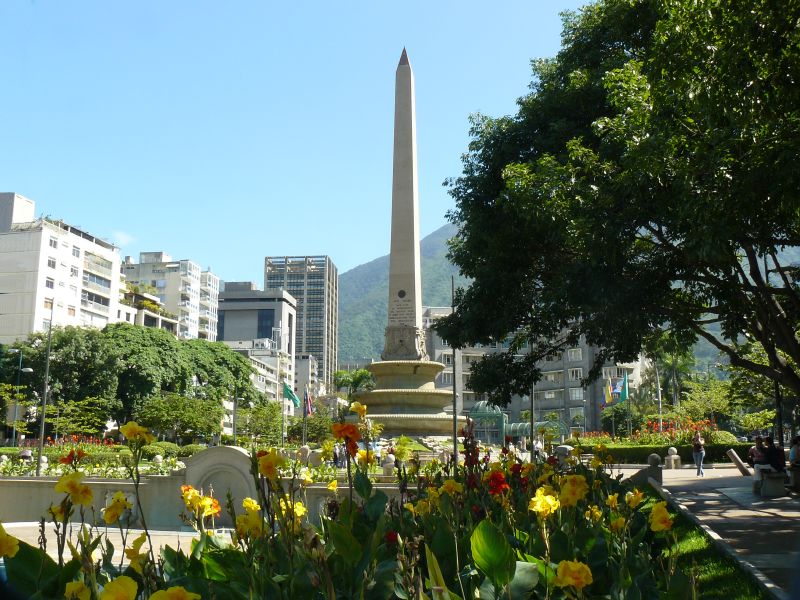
{"points": [[224, 132]]}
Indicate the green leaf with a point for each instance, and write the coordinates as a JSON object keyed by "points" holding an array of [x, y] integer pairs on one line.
{"points": [[376, 506], [525, 579], [438, 585], [493, 554], [362, 484], [344, 543], [32, 571]]}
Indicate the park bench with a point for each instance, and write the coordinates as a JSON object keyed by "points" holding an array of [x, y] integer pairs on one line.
{"points": [[772, 484]]}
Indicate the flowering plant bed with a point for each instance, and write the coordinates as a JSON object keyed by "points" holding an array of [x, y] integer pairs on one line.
{"points": [[502, 529]]}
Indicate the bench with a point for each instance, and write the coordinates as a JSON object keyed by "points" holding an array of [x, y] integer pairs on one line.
{"points": [[772, 484]]}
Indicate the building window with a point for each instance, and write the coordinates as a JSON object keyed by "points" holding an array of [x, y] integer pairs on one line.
{"points": [[48, 303], [76, 252], [73, 271], [574, 354], [576, 394], [448, 359], [49, 283], [51, 262], [555, 357], [71, 311], [53, 242], [575, 374], [552, 376], [447, 378]]}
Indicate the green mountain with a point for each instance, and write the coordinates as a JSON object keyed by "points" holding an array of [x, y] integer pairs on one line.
{"points": [[364, 296]]}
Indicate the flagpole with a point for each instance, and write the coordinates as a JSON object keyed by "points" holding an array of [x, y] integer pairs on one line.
{"points": [[305, 416]]}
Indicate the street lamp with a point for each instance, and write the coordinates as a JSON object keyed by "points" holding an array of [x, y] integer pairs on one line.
{"points": [[235, 405], [20, 371], [46, 390]]}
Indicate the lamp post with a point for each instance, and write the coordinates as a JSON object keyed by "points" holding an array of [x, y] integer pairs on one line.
{"points": [[235, 405], [456, 358], [20, 371], [46, 390]]}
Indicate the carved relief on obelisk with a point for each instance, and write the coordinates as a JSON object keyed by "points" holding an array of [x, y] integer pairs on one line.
{"points": [[405, 338]]}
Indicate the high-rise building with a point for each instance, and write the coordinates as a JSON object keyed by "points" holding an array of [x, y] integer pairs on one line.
{"points": [[183, 288], [50, 268], [560, 392], [314, 282]]}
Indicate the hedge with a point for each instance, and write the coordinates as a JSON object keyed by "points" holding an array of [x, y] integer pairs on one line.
{"points": [[190, 449], [637, 455]]}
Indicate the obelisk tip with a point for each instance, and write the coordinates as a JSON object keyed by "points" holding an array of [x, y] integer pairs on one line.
{"points": [[403, 58]]}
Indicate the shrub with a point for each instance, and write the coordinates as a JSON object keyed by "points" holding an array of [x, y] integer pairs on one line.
{"points": [[722, 437], [190, 449], [149, 452], [639, 454], [168, 448]]}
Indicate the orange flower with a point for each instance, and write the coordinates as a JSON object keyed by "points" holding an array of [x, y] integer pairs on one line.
{"points": [[659, 518], [346, 431]]}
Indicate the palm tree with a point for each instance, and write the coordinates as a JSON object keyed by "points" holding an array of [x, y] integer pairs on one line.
{"points": [[353, 382]]}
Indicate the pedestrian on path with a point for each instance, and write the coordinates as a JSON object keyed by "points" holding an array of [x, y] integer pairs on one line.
{"points": [[699, 453]]}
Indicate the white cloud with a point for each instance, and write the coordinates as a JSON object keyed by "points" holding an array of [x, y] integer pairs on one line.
{"points": [[121, 238]]}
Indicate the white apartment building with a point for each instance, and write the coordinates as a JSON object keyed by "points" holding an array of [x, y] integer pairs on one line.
{"points": [[50, 268], [183, 289]]}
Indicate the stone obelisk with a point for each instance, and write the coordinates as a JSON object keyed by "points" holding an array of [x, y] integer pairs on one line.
{"points": [[405, 399], [404, 337]]}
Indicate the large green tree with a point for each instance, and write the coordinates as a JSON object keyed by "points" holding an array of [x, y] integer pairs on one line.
{"points": [[648, 180], [180, 416]]}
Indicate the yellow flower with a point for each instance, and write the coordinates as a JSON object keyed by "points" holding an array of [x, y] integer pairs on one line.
{"points": [[634, 498], [250, 505], [122, 588], [612, 501], [451, 487], [209, 507], [9, 545], [593, 513], [294, 513], [410, 508], [573, 489], [249, 524], [573, 573], [596, 462], [56, 512], [659, 518], [423, 507], [79, 493], [596, 484], [543, 504], [364, 458], [359, 408], [134, 555], [174, 593], [134, 432], [600, 448], [191, 497], [333, 486], [119, 504], [617, 524], [269, 463], [77, 590], [305, 477]]}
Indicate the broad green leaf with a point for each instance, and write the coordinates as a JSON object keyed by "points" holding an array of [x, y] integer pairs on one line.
{"points": [[344, 543], [493, 554], [525, 579], [362, 485]]}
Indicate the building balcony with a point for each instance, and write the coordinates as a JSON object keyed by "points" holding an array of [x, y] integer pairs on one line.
{"points": [[90, 285], [99, 266], [94, 306]]}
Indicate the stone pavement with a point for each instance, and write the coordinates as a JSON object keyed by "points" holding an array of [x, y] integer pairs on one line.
{"points": [[763, 534]]}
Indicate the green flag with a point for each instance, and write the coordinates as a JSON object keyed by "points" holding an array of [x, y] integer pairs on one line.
{"points": [[623, 395], [288, 393]]}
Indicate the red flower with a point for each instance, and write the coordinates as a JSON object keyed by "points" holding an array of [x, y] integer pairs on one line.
{"points": [[552, 460], [516, 469], [391, 537], [497, 483]]}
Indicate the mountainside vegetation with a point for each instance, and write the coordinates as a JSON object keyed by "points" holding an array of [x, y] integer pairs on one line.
{"points": [[364, 295]]}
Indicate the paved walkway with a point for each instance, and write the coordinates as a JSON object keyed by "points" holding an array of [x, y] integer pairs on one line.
{"points": [[763, 533]]}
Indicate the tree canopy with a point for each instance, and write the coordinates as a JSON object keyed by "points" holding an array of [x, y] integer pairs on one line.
{"points": [[647, 182]]}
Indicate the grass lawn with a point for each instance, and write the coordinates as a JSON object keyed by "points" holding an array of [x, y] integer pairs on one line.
{"points": [[716, 576]]}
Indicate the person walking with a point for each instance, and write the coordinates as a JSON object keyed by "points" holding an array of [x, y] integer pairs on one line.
{"points": [[699, 453]]}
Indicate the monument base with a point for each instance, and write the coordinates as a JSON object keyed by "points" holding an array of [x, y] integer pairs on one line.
{"points": [[405, 399]]}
